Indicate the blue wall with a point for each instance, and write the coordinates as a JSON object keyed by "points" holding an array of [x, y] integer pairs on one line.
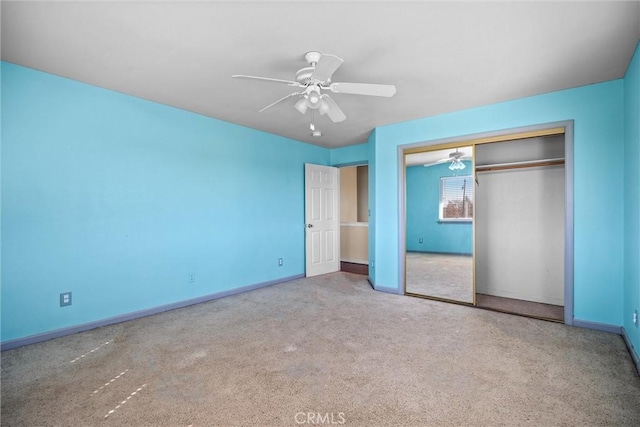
{"points": [[352, 154], [632, 199], [597, 111], [117, 200], [422, 209]]}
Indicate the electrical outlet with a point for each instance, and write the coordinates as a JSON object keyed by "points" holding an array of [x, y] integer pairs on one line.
{"points": [[191, 277], [280, 262], [65, 299], [372, 264], [420, 240], [635, 317]]}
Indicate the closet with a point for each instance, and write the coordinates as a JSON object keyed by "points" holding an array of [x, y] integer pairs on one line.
{"points": [[519, 226]]}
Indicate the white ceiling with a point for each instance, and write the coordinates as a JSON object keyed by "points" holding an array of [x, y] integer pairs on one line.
{"points": [[441, 57], [431, 157]]}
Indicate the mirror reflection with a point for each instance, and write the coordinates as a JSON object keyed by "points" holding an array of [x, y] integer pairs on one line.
{"points": [[439, 224]]}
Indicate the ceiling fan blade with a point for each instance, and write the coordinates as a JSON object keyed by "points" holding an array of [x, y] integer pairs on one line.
{"points": [[334, 112], [326, 66], [280, 100], [363, 89], [447, 160], [265, 79]]}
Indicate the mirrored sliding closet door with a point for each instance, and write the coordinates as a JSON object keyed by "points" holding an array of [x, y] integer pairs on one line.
{"points": [[440, 187]]}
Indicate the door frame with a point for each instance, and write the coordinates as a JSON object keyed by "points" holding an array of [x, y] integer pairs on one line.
{"points": [[552, 128]]}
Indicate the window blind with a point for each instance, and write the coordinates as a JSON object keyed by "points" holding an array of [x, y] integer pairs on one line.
{"points": [[456, 197]]}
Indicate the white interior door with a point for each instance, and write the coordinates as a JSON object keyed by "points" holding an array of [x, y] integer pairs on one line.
{"points": [[322, 219]]}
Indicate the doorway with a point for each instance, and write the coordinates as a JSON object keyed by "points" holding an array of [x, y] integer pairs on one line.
{"points": [[354, 219]]}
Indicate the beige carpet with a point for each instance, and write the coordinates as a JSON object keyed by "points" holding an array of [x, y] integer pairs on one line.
{"points": [[324, 347]]}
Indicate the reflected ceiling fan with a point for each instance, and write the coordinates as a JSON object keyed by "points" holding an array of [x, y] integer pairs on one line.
{"points": [[314, 80], [455, 159]]}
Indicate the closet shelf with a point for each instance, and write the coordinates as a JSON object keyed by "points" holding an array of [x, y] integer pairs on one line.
{"points": [[519, 165]]}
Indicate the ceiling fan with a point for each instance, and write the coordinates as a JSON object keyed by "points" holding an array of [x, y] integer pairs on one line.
{"points": [[455, 159], [315, 79]]}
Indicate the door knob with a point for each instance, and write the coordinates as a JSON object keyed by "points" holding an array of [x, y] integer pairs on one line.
{"points": [[309, 225]]}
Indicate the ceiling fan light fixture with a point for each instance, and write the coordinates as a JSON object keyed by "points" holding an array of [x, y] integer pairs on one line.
{"points": [[313, 99], [324, 107], [301, 105], [456, 165]]}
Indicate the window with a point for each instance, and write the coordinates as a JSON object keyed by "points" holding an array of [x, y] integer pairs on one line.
{"points": [[456, 198]]}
